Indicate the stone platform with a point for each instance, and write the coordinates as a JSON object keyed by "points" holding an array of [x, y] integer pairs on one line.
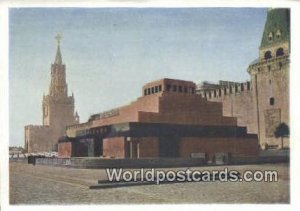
{"points": [[101, 163]]}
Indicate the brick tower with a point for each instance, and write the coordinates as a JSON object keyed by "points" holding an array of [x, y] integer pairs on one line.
{"points": [[270, 78], [58, 110], [261, 104]]}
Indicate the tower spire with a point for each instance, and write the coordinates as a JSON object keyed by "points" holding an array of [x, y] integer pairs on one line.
{"points": [[277, 27], [58, 58], [58, 85]]}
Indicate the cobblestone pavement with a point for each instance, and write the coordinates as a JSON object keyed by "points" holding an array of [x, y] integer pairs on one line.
{"points": [[56, 185]]}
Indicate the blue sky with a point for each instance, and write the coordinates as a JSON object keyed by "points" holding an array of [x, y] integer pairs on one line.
{"points": [[111, 52]]}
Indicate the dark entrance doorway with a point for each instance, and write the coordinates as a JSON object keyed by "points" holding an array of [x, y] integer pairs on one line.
{"points": [[168, 146], [98, 148], [88, 147], [80, 148]]}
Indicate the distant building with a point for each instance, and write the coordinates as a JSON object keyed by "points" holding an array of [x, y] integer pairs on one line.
{"points": [[263, 103], [58, 111], [168, 120]]}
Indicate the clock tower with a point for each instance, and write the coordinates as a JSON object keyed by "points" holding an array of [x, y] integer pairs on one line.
{"points": [[58, 111]]}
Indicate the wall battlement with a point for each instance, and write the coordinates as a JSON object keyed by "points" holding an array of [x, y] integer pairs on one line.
{"points": [[220, 90], [82, 125], [36, 127], [263, 66]]}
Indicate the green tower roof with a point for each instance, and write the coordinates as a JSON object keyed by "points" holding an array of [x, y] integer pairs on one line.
{"points": [[277, 27]]}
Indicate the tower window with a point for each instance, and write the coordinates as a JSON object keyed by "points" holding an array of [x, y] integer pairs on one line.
{"points": [[156, 89], [268, 55], [278, 34], [270, 37], [279, 52], [272, 101], [159, 88]]}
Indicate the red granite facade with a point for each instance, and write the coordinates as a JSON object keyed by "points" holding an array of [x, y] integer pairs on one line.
{"points": [[169, 120]]}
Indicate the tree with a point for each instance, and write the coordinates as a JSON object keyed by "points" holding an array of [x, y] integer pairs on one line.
{"points": [[282, 130]]}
